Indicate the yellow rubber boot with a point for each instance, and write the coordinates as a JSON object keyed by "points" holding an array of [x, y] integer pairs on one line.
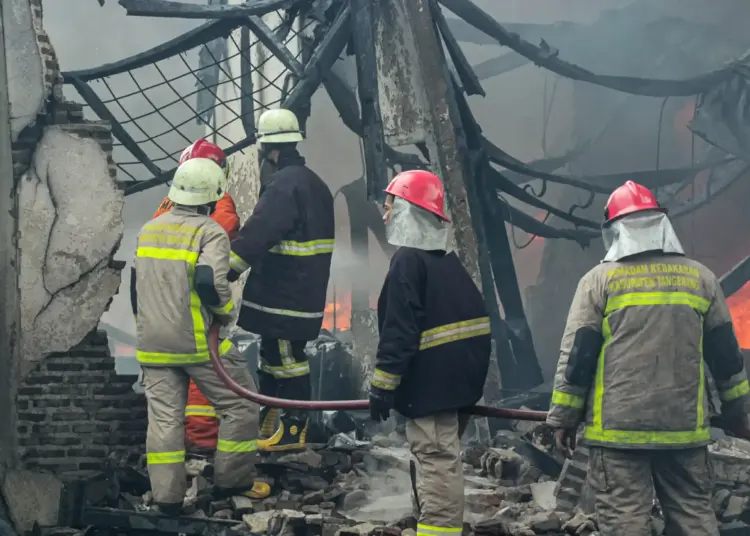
{"points": [[268, 418], [290, 435], [261, 490]]}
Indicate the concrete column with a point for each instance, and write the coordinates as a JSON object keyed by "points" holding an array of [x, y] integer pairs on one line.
{"points": [[9, 292]]}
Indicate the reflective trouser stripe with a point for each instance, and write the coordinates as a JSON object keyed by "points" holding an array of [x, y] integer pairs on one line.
{"points": [[224, 445], [199, 329], [294, 370], [425, 530], [163, 458], [200, 411], [225, 309], [454, 332], [282, 312], [385, 380], [596, 431], [566, 399], [741, 389], [237, 264], [303, 249]]}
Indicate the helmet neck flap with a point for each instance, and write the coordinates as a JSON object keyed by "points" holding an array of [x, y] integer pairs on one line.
{"points": [[640, 232], [414, 227]]}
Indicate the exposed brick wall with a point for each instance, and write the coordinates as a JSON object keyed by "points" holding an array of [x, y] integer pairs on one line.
{"points": [[74, 411]]}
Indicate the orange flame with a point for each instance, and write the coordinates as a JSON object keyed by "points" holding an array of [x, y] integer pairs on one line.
{"points": [[337, 316], [739, 308]]}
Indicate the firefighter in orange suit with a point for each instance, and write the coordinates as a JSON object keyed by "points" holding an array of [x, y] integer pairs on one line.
{"points": [[201, 421], [641, 328], [434, 348]]}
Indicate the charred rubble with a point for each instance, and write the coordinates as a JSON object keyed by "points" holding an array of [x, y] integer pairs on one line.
{"points": [[357, 483]]}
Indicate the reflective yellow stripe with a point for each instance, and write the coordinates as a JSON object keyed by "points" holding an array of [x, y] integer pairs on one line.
{"points": [[171, 240], [656, 298], [224, 309], [237, 264], [177, 228], [566, 399], [285, 352], [162, 458], [200, 411], [293, 370], [167, 360], [596, 431], [199, 329], [167, 254], [303, 249], [281, 312], [741, 389], [437, 531], [454, 332], [225, 346], [224, 445], [385, 380]]}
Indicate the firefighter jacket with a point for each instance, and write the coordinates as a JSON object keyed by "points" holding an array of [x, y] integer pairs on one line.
{"points": [[288, 243], [225, 213], [638, 335], [434, 348], [180, 286]]}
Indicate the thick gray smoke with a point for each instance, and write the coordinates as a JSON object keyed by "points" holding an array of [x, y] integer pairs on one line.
{"points": [[529, 112]]}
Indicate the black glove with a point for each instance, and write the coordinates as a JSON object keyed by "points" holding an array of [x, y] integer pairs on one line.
{"points": [[381, 404]]}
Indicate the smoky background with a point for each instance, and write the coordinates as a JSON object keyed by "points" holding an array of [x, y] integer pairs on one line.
{"points": [[529, 112]]}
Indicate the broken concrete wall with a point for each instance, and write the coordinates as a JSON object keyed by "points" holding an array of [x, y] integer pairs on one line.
{"points": [[69, 225]]}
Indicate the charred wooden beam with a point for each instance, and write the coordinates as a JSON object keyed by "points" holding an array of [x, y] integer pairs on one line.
{"points": [[736, 278], [127, 520], [363, 39], [275, 45], [519, 367], [469, 79], [181, 10], [322, 59]]}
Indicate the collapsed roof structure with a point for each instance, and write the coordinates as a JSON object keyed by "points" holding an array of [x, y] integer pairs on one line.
{"points": [[498, 186]]}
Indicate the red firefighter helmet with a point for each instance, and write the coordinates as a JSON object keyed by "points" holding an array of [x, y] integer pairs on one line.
{"points": [[420, 188], [203, 148], [629, 198]]}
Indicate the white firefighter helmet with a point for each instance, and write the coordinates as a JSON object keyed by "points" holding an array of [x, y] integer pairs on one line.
{"points": [[278, 126], [197, 182]]}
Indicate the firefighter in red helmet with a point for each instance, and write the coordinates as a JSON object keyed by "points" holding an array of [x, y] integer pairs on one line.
{"points": [[641, 327], [434, 347], [201, 421]]}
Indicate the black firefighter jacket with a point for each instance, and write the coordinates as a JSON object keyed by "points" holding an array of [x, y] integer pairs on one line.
{"points": [[287, 243], [435, 344]]}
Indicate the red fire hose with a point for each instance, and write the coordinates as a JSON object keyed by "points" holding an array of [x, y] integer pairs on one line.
{"points": [[327, 405]]}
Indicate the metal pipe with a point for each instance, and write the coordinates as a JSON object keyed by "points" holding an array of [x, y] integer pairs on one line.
{"points": [[328, 405]]}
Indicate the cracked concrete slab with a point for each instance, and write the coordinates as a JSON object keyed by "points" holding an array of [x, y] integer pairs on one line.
{"points": [[26, 66], [70, 226]]}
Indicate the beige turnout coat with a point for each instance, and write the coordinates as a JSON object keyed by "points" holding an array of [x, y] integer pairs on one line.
{"points": [[652, 312]]}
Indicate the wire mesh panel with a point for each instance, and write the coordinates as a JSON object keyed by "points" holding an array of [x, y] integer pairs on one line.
{"points": [[206, 83]]}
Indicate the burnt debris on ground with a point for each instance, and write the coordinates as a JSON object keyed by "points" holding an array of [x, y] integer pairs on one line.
{"points": [[519, 486]]}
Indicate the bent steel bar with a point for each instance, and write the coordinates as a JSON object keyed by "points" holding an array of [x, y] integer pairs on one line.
{"points": [[327, 405]]}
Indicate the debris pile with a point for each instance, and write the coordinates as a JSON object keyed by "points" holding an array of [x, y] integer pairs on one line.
{"points": [[349, 486]]}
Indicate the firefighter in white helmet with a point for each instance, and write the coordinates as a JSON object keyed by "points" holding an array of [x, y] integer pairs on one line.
{"points": [[178, 288], [287, 243]]}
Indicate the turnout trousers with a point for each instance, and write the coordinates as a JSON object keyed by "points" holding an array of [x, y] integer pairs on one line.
{"points": [[437, 473], [284, 372], [624, 482], [236, 451]]}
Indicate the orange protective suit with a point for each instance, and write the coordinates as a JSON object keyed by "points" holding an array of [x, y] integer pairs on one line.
{"points": [[201, 421]]}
